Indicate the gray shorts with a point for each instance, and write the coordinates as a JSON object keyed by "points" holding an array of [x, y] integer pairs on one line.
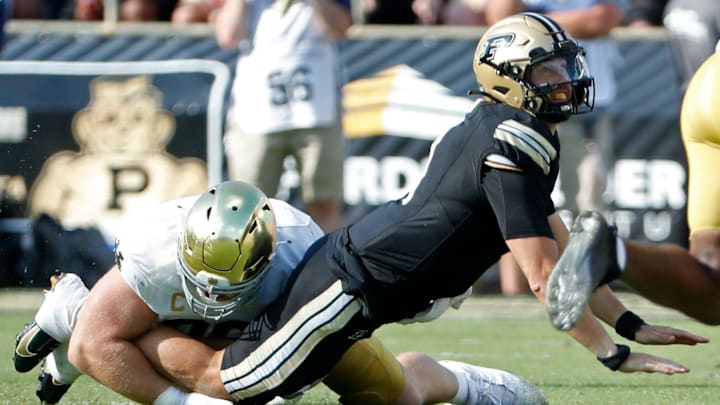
{"points": [[259, 158]]}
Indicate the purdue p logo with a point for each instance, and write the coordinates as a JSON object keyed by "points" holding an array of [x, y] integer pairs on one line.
{"points": [[491, 45]]}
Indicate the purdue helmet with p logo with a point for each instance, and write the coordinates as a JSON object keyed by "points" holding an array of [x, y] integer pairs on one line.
{"points": [[508, 52], [224, 248]]}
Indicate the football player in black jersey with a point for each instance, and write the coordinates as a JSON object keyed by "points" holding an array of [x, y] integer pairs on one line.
{"points": [[486, 191]]}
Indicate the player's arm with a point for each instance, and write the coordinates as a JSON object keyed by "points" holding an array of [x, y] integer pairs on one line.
{"points": [[333, 15], [198, 369], [608, 307], [536, 256], [517, 199], [101, 345]]}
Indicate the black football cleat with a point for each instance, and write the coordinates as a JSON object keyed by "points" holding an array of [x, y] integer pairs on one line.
{"points": [[31, 346], [589, 261], [50, 391]]}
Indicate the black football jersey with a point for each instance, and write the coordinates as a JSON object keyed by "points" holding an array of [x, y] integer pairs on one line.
{"points": [[437, 240]]}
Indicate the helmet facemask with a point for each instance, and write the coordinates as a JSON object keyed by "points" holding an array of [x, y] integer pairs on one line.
{"points": [[568, 88], [212, 296], [225, 248]]}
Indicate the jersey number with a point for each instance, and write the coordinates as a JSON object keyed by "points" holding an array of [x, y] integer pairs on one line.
{"points": [[289, 87]]}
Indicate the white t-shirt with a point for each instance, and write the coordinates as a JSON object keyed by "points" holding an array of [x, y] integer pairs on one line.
{"points": [[287, 72]]}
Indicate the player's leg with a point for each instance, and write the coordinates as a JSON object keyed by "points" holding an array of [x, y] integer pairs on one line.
{"points": [[670, 276], [367, 374], [255, 158], [460, 383], [664, 273], [302, 335], [319, 155], [56, 376], [45, 337], [53, 323]]}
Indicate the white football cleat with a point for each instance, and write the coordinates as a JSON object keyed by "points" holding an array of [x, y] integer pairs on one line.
{"points": [[489, 386]]}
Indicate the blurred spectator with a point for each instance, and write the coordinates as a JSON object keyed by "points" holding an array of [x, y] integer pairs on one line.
{"points": [[5, 10], [464, 12], [388, 12], [645, 13], [130, 10], [57, 9], [286, 97], [425, 12], [587, 140], [26, 9], [694, 27], [195, 11]]}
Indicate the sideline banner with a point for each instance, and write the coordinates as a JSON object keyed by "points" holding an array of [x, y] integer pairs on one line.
{"points": [[90, 142]]}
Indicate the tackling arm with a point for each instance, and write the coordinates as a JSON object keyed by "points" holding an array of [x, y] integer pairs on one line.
{"points": [[101, 345]]}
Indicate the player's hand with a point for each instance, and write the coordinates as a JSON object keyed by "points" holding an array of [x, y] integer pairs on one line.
{"points": [[642, 362], [664, 335]]}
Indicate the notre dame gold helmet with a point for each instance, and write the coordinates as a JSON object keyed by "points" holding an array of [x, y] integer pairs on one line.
{"points": [[225, 245], [508, 52]]}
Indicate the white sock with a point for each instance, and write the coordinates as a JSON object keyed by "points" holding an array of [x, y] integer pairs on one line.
{"points": [[462, 392], [60, 367], [621, 253], [171, 396], [59, 311]]}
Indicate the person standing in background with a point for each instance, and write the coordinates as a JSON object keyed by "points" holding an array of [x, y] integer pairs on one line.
{"points": [[645, 13], [286, 97], [587, 140], [694, 27], [4, 15]]}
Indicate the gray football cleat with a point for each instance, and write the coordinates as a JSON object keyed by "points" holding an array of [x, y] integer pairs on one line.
{"points": [[48, 390], [589, 261], [32, 344], [489, 386]]}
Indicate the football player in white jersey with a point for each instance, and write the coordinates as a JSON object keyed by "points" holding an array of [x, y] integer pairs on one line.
{"points": [[241, 247]]}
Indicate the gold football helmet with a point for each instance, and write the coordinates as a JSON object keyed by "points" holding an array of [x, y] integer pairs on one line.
{"points": [[224, 248], [508, 52]]}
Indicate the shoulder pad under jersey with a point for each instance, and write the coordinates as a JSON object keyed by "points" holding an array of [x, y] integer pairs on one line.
{"points": [[521, 146]]}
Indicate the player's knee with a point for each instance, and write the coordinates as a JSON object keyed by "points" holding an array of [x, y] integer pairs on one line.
{"points": [[412, 391], [367, 374]]}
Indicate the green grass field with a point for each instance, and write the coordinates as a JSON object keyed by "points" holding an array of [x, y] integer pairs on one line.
{"points": [[500, 332]]}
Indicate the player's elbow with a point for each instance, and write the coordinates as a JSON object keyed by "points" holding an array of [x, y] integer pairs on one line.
{"points": [[538, 284]]}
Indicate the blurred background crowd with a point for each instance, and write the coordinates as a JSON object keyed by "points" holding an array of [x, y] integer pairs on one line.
{"points": [[642, 13]]}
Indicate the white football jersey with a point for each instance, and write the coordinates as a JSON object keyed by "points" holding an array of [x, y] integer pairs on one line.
{"points": [[287, 72], [147, 252]]}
